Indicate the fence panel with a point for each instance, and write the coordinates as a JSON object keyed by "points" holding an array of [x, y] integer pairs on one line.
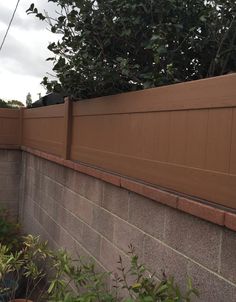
{"points": [[180, 137], [9, 127], [44, 129]]}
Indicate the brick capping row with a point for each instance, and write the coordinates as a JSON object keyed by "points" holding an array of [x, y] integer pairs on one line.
{"points": [[193, 207]]}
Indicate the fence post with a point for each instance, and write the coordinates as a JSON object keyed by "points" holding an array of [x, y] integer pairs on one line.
{"points": [[67, 129]]}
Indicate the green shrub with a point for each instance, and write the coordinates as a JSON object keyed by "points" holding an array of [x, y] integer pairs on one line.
{"points": [[111, 46], [69, 280], [9, 231], [146, 288], [90, 285]]}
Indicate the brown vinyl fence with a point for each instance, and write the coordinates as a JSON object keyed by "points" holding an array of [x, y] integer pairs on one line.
{"points": [[181, 137], [10, 127], [43, 129]]}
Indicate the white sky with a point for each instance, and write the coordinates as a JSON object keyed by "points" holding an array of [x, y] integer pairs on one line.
{"points": [[22, 59]]}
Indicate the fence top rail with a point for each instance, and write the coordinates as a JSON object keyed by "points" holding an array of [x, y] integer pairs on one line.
{"points": [[45, 112], [9, 113], [214, 92]]}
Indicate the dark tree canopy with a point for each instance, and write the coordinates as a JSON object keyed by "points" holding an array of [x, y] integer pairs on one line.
{"points": [[111, 46], [11, 104], [3, 104]]}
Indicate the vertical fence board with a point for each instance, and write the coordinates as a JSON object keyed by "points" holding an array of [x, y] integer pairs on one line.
{"points": [[44, 128], [197, 121], [163, 136], [178, 129], [233, 145], [219, 140], [9, 127]]}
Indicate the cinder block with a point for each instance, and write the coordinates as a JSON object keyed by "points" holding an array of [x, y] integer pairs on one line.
{"points": [[11, 182], [11, 207], [78, 205], [66, 241], [228, 255], [54, 190], [42, 182], [3, 155], [30, 225], [92, 189], [37, 212], [109, 256], [116, 200], [40, 162], [9, 195], [103, 222], [28, 206], [27, 189], [196, 238], [85, 185], [54, 171], [211, 287], [59, 214], [125, 234], [161, 259], [73, 225], [147, 214], [91, 241], [37, 163], [49, 205], [9, 168], [37, 193], [70, 179], [32, 176], [4, 180], [14, 155], [49, 168], [30, 160], [50, 226]]}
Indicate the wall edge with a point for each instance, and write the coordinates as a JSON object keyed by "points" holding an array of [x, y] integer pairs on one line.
{"points": [[197, 208]]}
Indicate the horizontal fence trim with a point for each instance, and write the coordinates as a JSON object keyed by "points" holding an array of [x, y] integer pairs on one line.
{"points": [[43, 128], [9, 113], [9, 126], [9, 139], [9, 146], [215, 92], [43, 145], [213, 186], [45, 112], [198, 208]]}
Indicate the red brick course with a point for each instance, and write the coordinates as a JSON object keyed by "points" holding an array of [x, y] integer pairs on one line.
{"points": [[230, 221], [201, 210]]}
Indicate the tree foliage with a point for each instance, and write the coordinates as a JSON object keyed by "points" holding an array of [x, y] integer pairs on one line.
{"points": [[3, 104], [15, 104], [111, 46], [28, 100], [11, 104]]}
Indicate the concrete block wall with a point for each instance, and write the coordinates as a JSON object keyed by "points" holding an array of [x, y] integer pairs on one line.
{"points": [[10, 162], [96, 219]]}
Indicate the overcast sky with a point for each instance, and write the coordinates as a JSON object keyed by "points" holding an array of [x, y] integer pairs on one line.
{"points": [[22, 59]]}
